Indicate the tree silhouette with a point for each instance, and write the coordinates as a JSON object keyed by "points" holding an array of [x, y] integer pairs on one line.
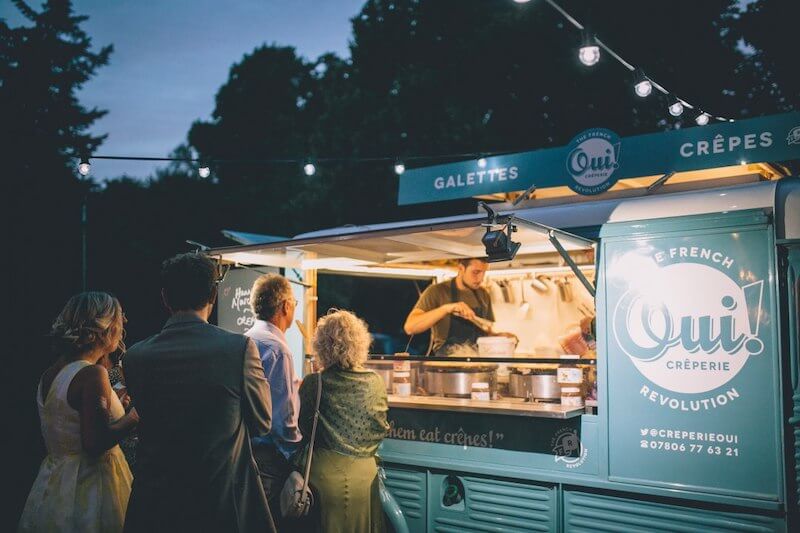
{"points": [[43, 63], [771, 61]]}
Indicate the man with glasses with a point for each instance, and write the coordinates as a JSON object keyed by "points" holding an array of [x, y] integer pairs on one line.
{"points": [[274, 304]]}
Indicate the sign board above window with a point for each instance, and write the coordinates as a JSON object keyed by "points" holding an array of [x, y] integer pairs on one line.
{"points": [[597, 158]]}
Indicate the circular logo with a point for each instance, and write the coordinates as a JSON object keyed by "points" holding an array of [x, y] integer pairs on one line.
{"points": [[794, 136], [568, 448], [592, 158], [683, 343]]}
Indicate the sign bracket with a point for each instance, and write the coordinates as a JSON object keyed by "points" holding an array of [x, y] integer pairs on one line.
{"points": [[653, 187]]}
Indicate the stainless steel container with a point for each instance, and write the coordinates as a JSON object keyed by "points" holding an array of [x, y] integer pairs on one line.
{"points": [[385, 369], [456, 379], [534, 383]]}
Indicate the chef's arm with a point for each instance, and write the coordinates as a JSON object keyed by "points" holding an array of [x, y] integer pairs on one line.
{"points": [[504, 334], [419, 320]]}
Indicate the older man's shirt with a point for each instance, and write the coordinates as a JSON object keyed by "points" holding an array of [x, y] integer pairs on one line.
{"points": [[276, 358]]}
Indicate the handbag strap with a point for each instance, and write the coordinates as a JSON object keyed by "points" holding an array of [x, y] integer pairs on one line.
{"points": [[313, 434]]}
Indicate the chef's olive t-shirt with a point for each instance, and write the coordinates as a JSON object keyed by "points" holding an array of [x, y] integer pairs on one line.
{"points": [[437, 295]]}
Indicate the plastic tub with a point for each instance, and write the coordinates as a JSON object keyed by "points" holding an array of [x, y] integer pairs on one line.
{"points": [[496, 346]]}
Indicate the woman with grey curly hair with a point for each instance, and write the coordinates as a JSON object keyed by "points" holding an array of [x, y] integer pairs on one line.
{"points": [[352, 423], [84, 482]]}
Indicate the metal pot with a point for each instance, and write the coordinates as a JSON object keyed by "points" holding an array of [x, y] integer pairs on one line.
{"points": [[451, 379], [385, 369], [539, 384]]}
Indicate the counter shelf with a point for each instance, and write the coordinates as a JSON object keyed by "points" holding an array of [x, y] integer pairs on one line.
{"points": [[517, 360], [506, 406]]}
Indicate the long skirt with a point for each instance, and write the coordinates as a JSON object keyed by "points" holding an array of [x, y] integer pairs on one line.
{"points": [[348, 491], [76, 493]]}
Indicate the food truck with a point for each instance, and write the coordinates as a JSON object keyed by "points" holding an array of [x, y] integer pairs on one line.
{"points": [[677, 410]]}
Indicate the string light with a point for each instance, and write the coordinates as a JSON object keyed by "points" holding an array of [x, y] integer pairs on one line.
{"points": [[643, 86], [84, 167], [589, 53], [676, 108]]}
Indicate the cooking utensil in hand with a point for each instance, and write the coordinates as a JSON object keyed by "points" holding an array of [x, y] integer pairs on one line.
{"points": [[481, 323]]}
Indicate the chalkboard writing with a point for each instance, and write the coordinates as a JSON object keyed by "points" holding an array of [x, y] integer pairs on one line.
{"points": [[233, 307]]}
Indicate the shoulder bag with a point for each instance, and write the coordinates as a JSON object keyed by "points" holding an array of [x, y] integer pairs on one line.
{"points": [[297, 499]]}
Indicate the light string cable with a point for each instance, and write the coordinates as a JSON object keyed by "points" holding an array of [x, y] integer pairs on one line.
{"points": [[589, 56], [676, 105]]}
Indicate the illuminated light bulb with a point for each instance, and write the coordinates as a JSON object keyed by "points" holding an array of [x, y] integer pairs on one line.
{"points": [[521, 1], [84, 167], [589, 53], [482, 162], [399, 168], [309, 169], [643, 87], [702, 119], [204, 172], [676, 108]]}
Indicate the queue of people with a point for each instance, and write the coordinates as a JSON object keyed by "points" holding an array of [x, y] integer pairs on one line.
{"points": [[219, 418]]}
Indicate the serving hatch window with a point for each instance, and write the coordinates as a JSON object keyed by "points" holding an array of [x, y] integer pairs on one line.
{"points": [[542, 290]]}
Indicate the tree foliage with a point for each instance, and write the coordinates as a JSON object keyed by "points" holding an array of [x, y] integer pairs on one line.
{"points": [[43, 64]]}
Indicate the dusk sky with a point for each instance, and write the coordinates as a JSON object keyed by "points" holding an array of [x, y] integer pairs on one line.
{"points": [[171, 57]]}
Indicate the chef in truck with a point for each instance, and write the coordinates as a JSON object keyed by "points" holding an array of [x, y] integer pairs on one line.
{"points": [[457, 311]]}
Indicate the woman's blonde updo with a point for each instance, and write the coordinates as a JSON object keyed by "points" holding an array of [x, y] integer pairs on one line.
{"points": [[89, 320], [341, 340]]}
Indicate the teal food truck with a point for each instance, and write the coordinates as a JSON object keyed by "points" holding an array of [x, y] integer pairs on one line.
{"points": [[684, 249]]}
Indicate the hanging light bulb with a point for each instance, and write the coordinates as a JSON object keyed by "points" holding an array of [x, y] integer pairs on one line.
{"points": [[676, 108], [643, 86], [309, 169], [399, 167], [589, 53], [204, 171], [702, 118], [482, 162], [84, 167]]}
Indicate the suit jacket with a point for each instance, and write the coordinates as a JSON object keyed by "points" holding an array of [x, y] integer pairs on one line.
{"points": [[201, 395]]}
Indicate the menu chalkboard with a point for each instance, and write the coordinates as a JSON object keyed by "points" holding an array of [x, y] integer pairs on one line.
{"points": [[233, 307]]}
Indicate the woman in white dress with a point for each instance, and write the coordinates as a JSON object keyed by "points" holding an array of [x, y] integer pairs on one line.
{"points": [[84, 482]]}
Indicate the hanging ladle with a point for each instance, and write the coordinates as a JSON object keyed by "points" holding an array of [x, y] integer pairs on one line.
{"points": [[539, 285], [524, 306]]}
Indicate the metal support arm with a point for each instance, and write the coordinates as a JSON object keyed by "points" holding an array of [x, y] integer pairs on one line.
{"points": [[565, 256]]}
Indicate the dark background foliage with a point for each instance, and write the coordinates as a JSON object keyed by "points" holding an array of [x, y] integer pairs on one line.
{"points": [[425, 77]]}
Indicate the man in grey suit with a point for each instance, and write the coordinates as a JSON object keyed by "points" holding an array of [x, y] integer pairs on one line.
{"points": [[201, 395]]}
